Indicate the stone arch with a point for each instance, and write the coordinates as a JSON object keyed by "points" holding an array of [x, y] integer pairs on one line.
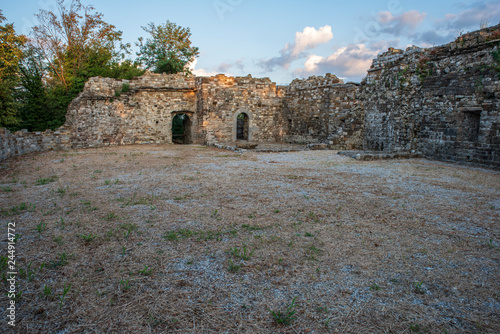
{"points": [[182, 127], [242, 125]]}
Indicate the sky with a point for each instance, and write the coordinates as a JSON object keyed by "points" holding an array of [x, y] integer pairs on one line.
{"points": [[286, 39]]}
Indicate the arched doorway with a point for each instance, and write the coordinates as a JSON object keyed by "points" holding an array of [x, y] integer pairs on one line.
{"points": [[181, 129], [242, 121]]}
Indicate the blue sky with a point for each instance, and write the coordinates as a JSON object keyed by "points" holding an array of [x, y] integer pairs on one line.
{"points": [[287, 39]]}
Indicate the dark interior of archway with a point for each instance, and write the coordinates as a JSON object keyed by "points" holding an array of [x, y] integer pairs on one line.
{"points": [[242, 127], [181, 129]]}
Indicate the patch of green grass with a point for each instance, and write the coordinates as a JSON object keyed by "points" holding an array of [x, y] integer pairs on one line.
{"points": [[7, 189], [61, 191], [129, 228], [492, 245], [233, 268], [251, 228], [111, 216], [418, 288], [146, 271], [171, 235], [415, 328], [286, 317], [58, 240], [65, 292], [88, 238], [87, 206], [243, 253], [125, 284], [17, 209], [200, 235], [40, 227], [43, 181], [27, 273], [47, 291], [137, 200], [61, 261], [375, 287], [62, 224], [4, 262]]}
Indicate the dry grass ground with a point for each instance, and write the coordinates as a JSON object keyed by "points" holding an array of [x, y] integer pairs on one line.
{"points": [[187, 239]]}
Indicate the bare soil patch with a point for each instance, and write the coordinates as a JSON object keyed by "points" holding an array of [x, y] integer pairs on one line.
{"points": [[188, 239]]}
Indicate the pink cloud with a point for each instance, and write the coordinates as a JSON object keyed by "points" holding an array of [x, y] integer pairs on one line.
{"points": [[399, 24], [350, 61]]}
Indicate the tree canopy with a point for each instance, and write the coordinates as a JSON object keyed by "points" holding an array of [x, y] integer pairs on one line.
{"points": [[42, 73], [10, 56], [168, 49]]}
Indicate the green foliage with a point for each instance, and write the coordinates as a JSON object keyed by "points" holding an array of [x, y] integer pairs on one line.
{"points": [[168, 50], [146, 271], [69, 46], [65, 292], [61, 261], [88, 238], [243, 253], [10, 55], [47, 291], [233, 268], [496, 61], [285, 318], [46, 180]]}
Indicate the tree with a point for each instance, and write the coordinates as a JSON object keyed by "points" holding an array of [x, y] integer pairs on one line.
{"points": [[68, 47], [10, 56], [168, 50], [76, 43], [39, 110]]}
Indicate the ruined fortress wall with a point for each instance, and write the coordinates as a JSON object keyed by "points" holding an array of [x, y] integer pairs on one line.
{"points": [[120, 112], [442, 101], [24, 142], [221, 99], [324, 109]]}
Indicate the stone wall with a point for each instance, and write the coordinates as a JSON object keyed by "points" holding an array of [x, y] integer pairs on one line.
{"points": [[24, 142], [442, 101], [120, 112], [324, 109], [221, 99]]}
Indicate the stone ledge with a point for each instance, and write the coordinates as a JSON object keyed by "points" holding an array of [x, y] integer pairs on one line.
{"points": [[372, 155]]}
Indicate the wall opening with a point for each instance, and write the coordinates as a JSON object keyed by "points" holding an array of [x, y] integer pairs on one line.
{"points": [[470, 125], [181, 129], [242, 124]]}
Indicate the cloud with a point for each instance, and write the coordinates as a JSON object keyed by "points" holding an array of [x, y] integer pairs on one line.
{"points": [[199, 72], [351, 61], [306, 40], [452, 24], [400, 24], [224, 67], [309, 38], [471, 17]]}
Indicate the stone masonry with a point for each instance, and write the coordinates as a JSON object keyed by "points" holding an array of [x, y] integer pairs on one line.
{"points": [[442, 102]]}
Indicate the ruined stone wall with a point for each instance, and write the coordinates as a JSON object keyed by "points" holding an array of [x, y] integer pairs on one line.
{"points": [[221, 99], [442, 101], [120, 112], [24, 142], [324, 109]]}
